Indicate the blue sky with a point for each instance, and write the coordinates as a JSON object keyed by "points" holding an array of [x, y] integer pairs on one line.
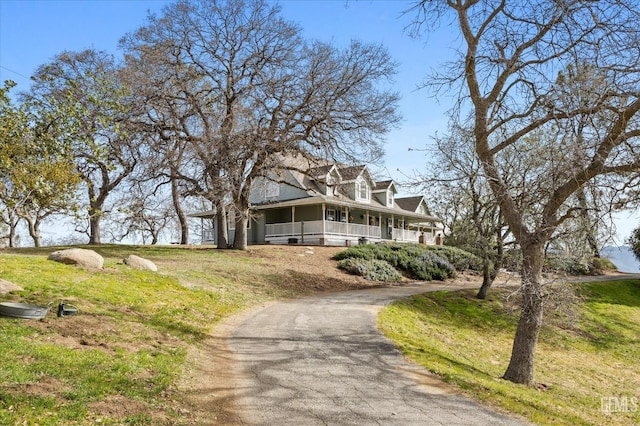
{"points": [[33, 31]]}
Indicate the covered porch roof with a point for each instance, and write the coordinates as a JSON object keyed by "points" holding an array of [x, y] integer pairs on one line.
{"points": [[373, 207]]}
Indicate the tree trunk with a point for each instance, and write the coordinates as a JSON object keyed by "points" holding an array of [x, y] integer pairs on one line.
{"points": [[487, 279], [240, 239], [222, 233], [242, 218], [491, 269], [587, 224], [182, 217], [13, 236], [95, 214], [34, 231], [94, 230], [521, 365]]}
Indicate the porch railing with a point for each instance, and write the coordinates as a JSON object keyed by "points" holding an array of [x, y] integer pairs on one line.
{"points": [[315, 227], [295, 229]]}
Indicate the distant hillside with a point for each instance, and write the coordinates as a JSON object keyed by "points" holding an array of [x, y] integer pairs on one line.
{"points": [[622, 257]]}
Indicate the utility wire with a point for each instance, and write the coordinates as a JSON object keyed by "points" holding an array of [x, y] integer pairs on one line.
{"points": [[15, 72]]}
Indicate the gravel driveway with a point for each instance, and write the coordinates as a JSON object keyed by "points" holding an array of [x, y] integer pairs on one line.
{"points": [[322, 361]]}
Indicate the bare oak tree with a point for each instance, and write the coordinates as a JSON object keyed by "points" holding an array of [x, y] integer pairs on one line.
{"points": [[506, 70], [463, 198], [244, 86]]}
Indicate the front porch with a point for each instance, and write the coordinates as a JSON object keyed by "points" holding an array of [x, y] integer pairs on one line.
{"points": [[326, 232], [328, 224]]}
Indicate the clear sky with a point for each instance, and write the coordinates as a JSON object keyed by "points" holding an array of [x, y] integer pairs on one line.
{"points": [[33, 31]]}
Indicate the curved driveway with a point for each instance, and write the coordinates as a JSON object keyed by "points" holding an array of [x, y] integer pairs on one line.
{"points": [[322, 361]]}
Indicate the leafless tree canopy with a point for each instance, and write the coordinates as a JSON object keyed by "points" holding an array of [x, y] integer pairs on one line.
{"points": [[232, 84], [551, 91]]}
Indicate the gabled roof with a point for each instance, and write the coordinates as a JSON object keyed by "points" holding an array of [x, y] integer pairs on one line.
{"points": [[410, 203], [385, 185], [321, 170], [351, 173]]}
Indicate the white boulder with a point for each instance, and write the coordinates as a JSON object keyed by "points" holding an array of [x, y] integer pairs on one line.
{"points": [[138, 262], [7, 286], [76, 256]]}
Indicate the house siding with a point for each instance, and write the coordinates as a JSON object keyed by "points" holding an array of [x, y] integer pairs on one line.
{"points": [[287, 191]]}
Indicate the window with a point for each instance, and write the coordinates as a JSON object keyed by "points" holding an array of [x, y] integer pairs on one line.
{"points": [[271, 189], [331, 185], [362, 190], [331, 214], [343, 216], [389, 198]]}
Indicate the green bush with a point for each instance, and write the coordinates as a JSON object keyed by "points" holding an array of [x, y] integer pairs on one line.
{"points": [[370, 269], [462, 260], [430, 266], [567, 264], [361, 251], [599, 265], [414, 260]]}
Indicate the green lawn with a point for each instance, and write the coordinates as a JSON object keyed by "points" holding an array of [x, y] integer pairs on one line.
{"points": [[587, 364], [119, 359]]}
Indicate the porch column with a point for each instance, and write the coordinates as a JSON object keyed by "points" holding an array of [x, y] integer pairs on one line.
{"points": [[394, 237], [293, 220], [347, 222], [366, 221], [324, 216]]}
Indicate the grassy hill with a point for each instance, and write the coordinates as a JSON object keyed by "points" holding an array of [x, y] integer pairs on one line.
{"points": [[128, 357], [122, 359]]}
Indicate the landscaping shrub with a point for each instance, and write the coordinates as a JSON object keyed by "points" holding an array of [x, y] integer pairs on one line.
{"points": [[361, 251], [372, 270], [414, 260], [462, 260], [600, 265], [430, 266], [566, 264]]}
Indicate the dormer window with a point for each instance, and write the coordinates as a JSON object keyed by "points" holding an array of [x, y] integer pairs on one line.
{"points": [[389, 198], [362, 190], [331, 184], [271, 189]]}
